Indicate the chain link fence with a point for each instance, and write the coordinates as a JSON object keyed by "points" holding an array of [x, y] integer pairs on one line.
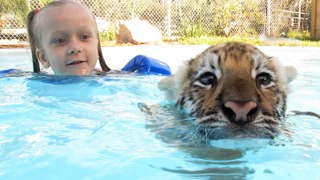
{"points": [[178, 18]]}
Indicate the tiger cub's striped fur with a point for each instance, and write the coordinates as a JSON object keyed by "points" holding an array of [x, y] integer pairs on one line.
{"points": [[232, 88]]}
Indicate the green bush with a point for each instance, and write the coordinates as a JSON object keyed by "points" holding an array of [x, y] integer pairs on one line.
{"points": [[219, 18], [108, 35], [19, 8], [303, 35]]}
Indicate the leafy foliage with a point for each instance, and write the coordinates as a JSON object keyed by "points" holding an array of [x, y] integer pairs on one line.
{"points": [[108, 35], [220, 17], [303, 35], [17, 8]]}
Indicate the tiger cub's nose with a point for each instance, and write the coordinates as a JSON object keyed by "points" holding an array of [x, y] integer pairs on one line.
{"points": [[240, 112]]}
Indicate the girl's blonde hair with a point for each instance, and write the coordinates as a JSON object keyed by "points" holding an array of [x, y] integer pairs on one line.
{"points": [[33, 41]]}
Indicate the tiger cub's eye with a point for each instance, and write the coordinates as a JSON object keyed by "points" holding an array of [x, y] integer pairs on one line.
{"points": [[208, 78], [264, 79]]}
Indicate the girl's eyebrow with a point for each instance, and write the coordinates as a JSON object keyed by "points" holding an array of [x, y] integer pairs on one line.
{"points": [[81, 29], [54, 32], [87, 28]]}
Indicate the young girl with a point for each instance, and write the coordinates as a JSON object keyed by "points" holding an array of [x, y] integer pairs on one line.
{"points": [[63, 35]]}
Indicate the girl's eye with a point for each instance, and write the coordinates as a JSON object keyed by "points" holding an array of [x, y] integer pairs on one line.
{"points": [[59, 41], [84, 36]]}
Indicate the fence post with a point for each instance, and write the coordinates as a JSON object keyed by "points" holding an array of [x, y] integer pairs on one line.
{"points": [[269, 14], [315, 20], [168, 22], [299, 15], [133, 11]]}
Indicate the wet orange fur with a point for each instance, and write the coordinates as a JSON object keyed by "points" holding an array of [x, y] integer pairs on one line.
{"points": [[235, 64]]}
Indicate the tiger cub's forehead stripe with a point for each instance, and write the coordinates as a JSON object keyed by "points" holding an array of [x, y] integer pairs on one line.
{"points": [[261, 65], [211, 64]]}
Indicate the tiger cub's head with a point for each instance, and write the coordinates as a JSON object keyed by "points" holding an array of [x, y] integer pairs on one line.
{"points": [[232, 89]]}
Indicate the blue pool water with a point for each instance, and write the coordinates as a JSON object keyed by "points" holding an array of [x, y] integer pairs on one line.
{"points": [[92, 128]]}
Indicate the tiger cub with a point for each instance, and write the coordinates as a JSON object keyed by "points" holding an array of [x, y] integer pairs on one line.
{"points": [[232, 89]]}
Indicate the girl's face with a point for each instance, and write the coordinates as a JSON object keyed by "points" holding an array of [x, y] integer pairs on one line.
{"points": [[68, 40]]}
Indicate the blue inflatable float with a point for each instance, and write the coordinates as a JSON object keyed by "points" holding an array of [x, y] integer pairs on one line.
{"points": [[140, 64]]}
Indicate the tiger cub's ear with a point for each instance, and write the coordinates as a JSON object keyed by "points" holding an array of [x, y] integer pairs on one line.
{"points": [[291, 73], [168, 85]]}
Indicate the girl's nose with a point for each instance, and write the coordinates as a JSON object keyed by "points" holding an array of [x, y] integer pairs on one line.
{"points": [[74, 51], [74, 47]]}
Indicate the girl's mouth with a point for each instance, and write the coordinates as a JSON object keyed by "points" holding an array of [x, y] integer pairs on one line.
{"points": [[75, 63]]}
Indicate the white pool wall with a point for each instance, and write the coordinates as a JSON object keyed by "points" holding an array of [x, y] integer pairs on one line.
{"points": [[174, 55]]}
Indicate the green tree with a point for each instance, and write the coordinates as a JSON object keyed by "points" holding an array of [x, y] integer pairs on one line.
{"points": [[16, 8], [218, 17]]}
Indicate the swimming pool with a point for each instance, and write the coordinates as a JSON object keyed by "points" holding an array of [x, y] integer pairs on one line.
{"points": [[92, 128]]}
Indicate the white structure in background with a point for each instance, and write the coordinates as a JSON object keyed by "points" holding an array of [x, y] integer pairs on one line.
{"points": [[137, 31], [102, 24]]}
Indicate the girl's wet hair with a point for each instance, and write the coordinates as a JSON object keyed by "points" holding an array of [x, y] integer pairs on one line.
{"points": [[34, 42]]}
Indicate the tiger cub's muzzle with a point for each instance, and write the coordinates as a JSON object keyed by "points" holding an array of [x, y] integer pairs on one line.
{"points": [[240, 112]]}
